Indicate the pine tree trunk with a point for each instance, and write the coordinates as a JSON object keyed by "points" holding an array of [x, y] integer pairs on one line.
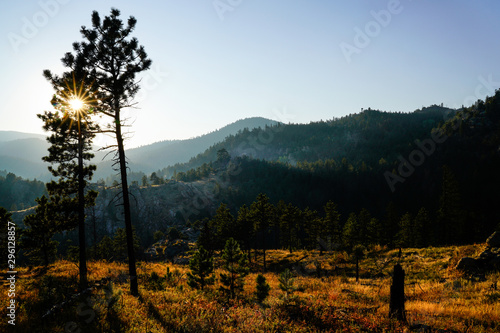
{"points": [[264, 248], [357, 269], [46, 257], [134, 289], [81, 215]]}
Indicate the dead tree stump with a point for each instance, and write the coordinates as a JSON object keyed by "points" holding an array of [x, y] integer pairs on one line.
{"points": [[397, 302]]}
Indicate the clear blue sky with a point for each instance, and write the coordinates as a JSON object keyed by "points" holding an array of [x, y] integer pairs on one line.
{"points": [[215, 62]]}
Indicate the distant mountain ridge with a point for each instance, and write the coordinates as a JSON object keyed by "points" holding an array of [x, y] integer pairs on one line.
{"points": [[14, 135], [21, 153], [162, 154]]}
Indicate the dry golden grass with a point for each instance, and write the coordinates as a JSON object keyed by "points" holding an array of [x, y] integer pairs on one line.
{"points": [[437, 296]]}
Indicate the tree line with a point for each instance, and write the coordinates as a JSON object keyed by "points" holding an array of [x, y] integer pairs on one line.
{"points": [[264, 225]]}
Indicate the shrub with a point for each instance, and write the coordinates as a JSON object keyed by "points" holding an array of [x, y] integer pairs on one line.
{"points": [[155, 282]]}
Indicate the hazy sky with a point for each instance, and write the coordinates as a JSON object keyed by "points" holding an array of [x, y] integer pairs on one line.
{"points": [[215, 62]]}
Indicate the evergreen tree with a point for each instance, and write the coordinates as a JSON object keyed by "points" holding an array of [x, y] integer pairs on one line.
{"points": [[364, 219], [374, 232], [206, 239], [173, 234], [158, 235], [391, 225], [261, 215], [243, 229], [202, 267], [71, 143], [286, 282], [36, 239], [290, 221], [155, 180], [405, 235], [352, 231], [262, 288], [332, 224], [111, 60], [315, 228], [120, 244], [105, 248], [421, 225], [235, 262], [223, 225], [144, 180], [451, 221], [223, 157]]}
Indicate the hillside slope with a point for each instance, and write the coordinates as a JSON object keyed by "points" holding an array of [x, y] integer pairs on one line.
{"points": [[364, 137], [161, 154]]}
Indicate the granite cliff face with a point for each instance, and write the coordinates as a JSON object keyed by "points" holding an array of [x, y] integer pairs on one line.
{"points": [[155, 207]]}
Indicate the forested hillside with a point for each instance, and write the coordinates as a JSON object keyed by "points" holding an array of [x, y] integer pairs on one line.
{"points": [[432, 169], [17, 193], [365, 137], [151, 157], [430, 173]]}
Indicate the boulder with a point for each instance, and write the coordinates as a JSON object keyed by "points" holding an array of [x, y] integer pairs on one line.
{"points": [[494, 240], [176, 248], [467, 264]]}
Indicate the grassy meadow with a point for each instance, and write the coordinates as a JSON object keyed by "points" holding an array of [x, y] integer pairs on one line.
{"points": [[326, 298]]}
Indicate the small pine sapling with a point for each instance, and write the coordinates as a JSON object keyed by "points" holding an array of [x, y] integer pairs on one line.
{"points": [[286, 283], [236, 265], [262, 288], [202, 267]]}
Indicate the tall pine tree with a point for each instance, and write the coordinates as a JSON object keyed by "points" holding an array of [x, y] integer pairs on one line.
{"points": [[332, 225], [290, 221], [261, 214], [451, 217], [111, 58], [71, 143]]}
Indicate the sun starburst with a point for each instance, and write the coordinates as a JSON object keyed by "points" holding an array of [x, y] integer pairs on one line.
{"points": [[76, 104], [75, 101]]}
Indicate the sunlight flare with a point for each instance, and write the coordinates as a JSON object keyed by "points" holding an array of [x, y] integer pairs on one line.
{"points": [[76, 103]]}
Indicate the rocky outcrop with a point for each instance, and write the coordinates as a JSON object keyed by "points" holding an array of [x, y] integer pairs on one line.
{"points": [[155, 208], [467, 264], [494, 240], [175, 251], [488, 260]]}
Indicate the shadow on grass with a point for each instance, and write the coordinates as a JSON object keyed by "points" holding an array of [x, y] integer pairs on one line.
{"points": [[153, 312], [53, 305]]}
